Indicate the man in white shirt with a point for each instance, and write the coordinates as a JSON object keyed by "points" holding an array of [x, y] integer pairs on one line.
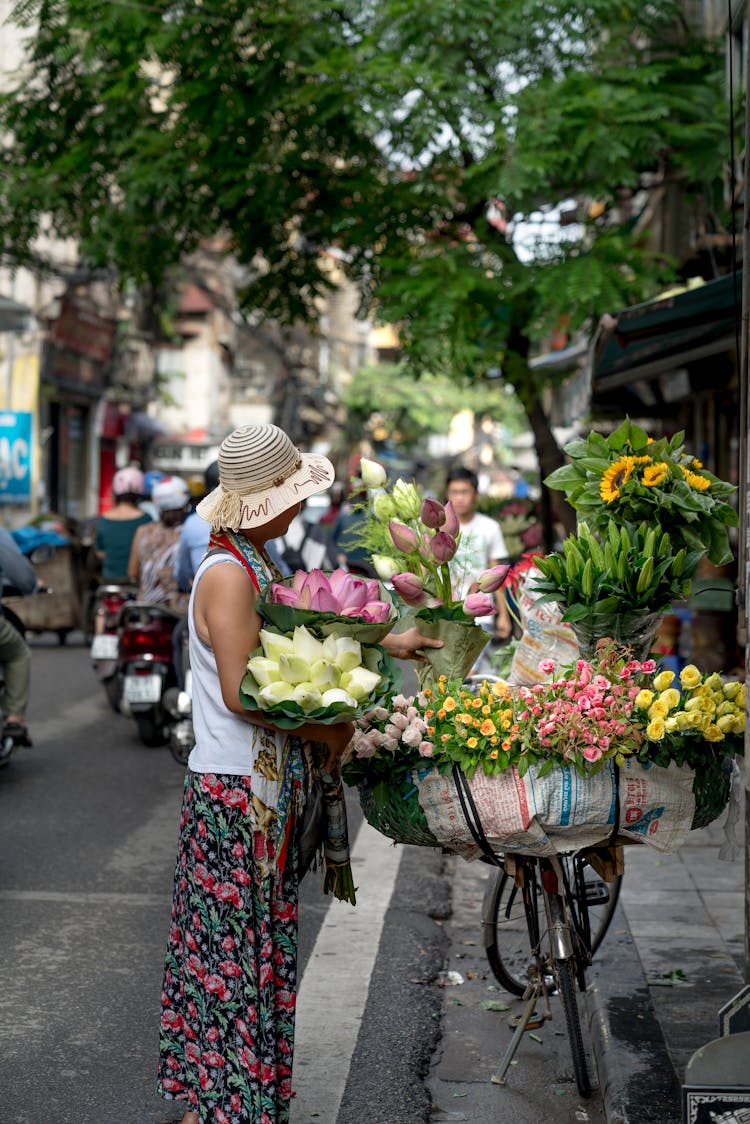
{"points": [[481, 545]]}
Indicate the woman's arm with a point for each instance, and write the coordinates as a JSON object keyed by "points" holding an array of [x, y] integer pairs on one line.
{"points": [[406, 645], [134, 562]]}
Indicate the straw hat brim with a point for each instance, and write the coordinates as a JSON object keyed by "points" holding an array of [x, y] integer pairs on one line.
{"points": [[315, 474]]}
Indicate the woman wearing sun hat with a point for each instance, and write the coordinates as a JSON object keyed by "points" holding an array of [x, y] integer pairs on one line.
{"points": [[227, 1025]]}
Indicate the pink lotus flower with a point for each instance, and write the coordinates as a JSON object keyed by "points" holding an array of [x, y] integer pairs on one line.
{"points": [[404, 538], [451, 525], [432, 514], [342, 593], [478, 605], [443, 547], [492, 579]]}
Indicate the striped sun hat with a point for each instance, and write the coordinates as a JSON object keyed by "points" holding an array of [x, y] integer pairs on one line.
{"points": [[261, 474]]}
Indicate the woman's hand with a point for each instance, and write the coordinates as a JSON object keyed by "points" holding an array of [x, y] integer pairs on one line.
{"points": [[406, 645]]}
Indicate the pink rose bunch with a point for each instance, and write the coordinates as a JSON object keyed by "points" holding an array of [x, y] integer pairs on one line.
{"points": [[582, 717], [341, 593], [383, 733]]}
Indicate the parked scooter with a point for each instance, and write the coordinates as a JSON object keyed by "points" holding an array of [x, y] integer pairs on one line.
{"points": [[178, 702], [145, 664], [108, 601]]}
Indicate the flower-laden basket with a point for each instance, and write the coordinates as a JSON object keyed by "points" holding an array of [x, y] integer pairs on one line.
{"points": [[394, 810], [711, 788]]}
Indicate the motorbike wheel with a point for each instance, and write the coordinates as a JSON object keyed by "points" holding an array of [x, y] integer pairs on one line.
{"points": [[179, 751], [150, 730], [113, 689]]}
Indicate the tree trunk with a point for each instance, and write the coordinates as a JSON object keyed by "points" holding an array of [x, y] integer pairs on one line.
{"points": [[555, 507]]}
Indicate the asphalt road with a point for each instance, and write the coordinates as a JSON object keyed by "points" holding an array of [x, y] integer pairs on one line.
{"points": [[88, 828]]}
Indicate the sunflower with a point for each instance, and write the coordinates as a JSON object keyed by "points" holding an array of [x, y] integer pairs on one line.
{"points": [[700, 483], [655, 474], [615, 478]]}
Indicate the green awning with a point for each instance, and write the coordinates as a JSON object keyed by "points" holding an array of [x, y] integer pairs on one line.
{"points": [[662, 336]]}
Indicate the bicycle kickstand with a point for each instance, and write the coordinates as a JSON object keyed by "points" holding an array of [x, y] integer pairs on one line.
{"points": [[531, 994]]}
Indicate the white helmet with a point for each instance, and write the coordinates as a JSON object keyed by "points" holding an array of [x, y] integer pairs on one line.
{"points": [[170, 494]]}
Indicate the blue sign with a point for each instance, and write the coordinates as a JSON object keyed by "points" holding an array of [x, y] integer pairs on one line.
{"points": [[15, 457]]}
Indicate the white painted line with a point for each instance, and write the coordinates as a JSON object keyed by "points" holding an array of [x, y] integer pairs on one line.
{"points": [[334, 988]]}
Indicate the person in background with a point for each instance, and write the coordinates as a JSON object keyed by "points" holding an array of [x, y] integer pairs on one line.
{"points": [[154, 549], [15, 655], [352, 518], [481, 545], [116, 529], [338, 495]]}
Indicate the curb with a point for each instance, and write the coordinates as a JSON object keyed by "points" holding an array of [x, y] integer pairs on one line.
{"points": [[637, 1080]]}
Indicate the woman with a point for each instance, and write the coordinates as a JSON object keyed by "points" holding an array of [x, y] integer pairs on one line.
{"points": [[227, 1026], [154, 550], [116, 529]]}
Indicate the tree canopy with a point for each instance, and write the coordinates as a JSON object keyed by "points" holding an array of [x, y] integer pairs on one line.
{"points": [[421, 139]]}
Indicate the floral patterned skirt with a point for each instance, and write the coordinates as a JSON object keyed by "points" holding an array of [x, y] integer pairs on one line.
{"points": [[227, 1024]]}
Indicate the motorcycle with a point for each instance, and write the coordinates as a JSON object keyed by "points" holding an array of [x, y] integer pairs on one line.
{"points": [[144, 658], [8, 741], [108, 601], [178, 702]]}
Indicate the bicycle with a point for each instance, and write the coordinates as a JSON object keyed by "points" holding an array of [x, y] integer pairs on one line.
{"points": [[543, 919]]}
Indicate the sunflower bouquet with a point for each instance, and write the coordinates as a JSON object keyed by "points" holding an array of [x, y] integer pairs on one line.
{"points": [[631, 478]]}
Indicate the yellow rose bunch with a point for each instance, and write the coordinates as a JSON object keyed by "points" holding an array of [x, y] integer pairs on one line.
{"points": [[703, 709]]}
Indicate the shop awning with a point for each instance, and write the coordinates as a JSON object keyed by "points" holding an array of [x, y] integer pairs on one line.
{"points": [[15, 317], [663, 337]]}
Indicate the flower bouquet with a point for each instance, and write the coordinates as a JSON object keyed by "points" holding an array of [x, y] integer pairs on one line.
{"points": [[414, 540], [338, 604], [298, 678]]}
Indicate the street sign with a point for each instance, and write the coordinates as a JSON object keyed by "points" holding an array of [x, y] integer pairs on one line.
{"points": [[15, 458], [734, 1016]]}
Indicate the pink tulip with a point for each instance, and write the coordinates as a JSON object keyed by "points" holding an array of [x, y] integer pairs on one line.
{"points": [[478, 605], [451, 525], [432, 514], [492, 579], [443, 547], [409, 587], [404, 539]]}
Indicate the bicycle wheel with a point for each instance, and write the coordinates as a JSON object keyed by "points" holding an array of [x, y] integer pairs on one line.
{"points": [[565, 976], [505, 930], [508, 940]]}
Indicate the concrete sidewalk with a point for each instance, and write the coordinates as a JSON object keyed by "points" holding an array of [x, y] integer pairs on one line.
{"points": [[672, 959]]}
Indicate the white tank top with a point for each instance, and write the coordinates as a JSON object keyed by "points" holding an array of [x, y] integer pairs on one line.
{"points": [[223, 740]]}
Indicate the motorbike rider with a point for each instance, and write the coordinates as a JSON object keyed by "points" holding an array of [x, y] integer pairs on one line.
{"points": [[15, 655], [155, 545], [115, 530]]}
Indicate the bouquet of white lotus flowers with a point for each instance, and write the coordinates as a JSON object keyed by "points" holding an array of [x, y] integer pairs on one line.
{"points": [[298, 678]]}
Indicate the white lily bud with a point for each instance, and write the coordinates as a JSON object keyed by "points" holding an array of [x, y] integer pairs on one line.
{"points": [[337, 695], [373, 474]]}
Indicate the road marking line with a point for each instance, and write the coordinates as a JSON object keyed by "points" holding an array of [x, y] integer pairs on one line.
{"points": [[334, 987], [76, 897]]}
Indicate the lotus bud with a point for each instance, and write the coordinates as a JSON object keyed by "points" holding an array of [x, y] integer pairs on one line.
{"points": [[373, 474], [338, 695], [443, 547], [306, 646], [432, 514], [385, 567], [407, 500], [329, 647], [376, 612], [383, 508], [348, 653], [360, 682], [324, 674], [451, 526], [410, 588], [307, 696], [274, 644], [492, 579], [263, 671], [316, 582], [404, 538], [277, 692], [293, 669], [478, 605]]}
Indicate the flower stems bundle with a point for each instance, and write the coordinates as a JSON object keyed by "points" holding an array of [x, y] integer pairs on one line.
{"points": [[338, 879]]}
